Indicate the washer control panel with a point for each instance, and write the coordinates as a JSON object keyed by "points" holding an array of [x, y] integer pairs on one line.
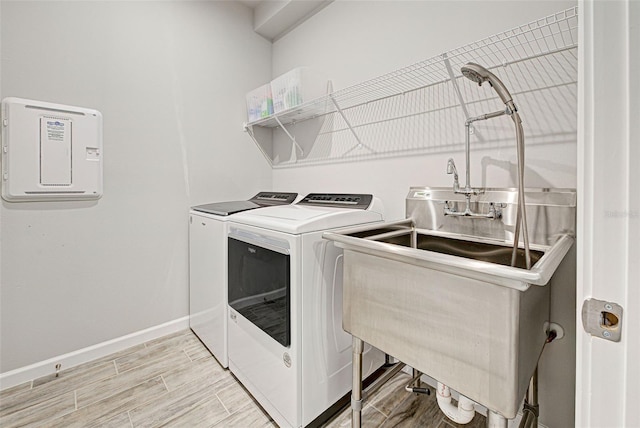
{"points": [[274, 198]]}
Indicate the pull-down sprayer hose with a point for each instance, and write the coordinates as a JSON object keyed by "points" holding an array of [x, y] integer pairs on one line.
{"points": [[479, 74]]}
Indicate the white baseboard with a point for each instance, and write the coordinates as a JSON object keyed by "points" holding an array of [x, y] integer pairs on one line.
{"points": [[81, 356]]}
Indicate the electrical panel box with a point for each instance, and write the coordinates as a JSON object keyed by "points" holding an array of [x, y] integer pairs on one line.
{"points": [[50, 151]]}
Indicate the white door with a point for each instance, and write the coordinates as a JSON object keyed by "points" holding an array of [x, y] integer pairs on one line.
{"points": [[608, 373]]}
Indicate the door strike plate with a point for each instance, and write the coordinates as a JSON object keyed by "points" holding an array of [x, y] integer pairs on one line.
{"points": [[602, 319]]}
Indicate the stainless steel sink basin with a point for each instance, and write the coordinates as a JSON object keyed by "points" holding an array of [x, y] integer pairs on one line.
{"points": [[499, 254], [449, 304], [468, 256], [492, 252]]}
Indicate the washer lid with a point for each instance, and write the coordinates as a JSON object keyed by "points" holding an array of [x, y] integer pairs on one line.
{"points": [[226, 208], [297, 219], [262, 199]]}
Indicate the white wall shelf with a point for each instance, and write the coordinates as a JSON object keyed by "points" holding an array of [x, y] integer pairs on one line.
{"points": [[422, 108]]}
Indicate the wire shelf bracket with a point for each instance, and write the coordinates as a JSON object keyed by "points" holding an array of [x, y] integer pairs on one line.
{"points": [[355, 134]]}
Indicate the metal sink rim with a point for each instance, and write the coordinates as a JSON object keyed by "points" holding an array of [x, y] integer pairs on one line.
{"points": [[512, 277]]}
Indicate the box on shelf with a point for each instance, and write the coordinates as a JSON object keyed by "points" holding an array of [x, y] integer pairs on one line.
{"points": [[259, 103], [296, 87]]}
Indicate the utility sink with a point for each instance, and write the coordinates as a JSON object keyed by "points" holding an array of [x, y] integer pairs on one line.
{"points": [[450, 304], [467, 256]]}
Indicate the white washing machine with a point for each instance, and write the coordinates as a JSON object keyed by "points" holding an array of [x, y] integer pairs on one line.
{"points": [[286, 342], [208, 266]]}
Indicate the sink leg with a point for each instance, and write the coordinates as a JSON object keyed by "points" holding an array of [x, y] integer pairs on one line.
{"points": [[356, 390], [495, 420]]}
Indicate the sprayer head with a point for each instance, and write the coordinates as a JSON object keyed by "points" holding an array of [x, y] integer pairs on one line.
{"points": [[475, 73], [479, 74]]}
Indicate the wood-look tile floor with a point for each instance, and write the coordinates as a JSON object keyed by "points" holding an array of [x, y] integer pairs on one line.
{"points": [[174, 381]]}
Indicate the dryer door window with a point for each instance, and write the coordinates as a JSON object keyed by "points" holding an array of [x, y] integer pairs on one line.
{"points": [[259, 287]]}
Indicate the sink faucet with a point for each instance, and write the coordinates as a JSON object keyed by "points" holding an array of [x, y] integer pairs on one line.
{"points": [[467, 190], [479, 75]]}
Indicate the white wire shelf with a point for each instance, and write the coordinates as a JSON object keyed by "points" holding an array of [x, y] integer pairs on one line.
{"points": [[423, 107]]}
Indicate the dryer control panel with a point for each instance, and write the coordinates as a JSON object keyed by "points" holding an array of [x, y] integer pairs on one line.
{"points": [[338, 200]]}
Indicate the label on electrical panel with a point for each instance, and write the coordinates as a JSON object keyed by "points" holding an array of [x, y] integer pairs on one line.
{"points": [[55, 151], [56, 130]]}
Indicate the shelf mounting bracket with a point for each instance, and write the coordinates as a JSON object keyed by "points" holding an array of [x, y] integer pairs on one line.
{"points": [[249, 130], [344, 117], [291, 137]]}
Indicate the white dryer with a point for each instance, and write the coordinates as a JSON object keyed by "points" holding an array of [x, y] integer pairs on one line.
{"points": [[208, 266], [286, 342]]}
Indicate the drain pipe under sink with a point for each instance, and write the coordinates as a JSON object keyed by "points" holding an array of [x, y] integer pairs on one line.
{"points": [[463, 414]]}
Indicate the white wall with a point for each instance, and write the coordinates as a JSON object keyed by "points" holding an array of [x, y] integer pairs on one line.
{"points": [[353, 41], [169, 79]]}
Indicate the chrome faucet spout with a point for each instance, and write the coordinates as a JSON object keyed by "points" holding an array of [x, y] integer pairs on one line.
{"points": [[451, 169]]}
